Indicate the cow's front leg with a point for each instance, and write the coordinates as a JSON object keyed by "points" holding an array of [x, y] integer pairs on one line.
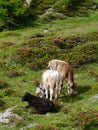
{"points": [[51, 94], [46, 92]]}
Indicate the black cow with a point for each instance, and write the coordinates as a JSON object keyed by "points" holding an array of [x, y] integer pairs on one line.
{"points": [[42, 105]]}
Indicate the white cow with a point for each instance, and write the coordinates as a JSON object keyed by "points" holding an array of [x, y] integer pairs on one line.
{"points": [[51, 80]]}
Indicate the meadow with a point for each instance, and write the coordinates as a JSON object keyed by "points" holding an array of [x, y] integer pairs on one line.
{"points": [[22, 64]]}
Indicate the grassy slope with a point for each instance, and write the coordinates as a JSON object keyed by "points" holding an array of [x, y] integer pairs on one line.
{"points": [[86, 88]]}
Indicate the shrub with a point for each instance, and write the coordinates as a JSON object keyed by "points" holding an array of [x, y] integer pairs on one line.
{"points": [[83, 11], [73, 7], [16, 12], [35, 58], [7, 91], [34, 42], [86, 53], [15, 72], [61, 6], [93, 36], [59, 42], [52, 14], [68, 43], [75, 53], [86, 119], [94, 74], [44, 5]]}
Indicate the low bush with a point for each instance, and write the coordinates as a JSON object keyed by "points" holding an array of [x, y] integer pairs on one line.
{"points": [[8, 92], [83, 12], [44, 5], [15, 72], [93, 36], [86, 53], [52, 14], [68, 43], [34, 42], [86, 119], [94, 74], [74, 7], [35, 58], [76, 54]]}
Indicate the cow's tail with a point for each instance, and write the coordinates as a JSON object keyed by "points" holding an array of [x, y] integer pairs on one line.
{"points": [[50, 65]]}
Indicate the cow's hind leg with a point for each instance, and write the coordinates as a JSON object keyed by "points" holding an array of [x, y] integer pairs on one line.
{"points": [[56, 93]]}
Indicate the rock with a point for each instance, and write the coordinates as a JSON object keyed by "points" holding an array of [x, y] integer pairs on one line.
{"points": [[5, 116], [94, 98]]}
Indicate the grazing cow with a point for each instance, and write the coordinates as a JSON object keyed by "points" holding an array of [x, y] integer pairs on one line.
{"points": [[51, 79], [65, 71], [42, 105]]}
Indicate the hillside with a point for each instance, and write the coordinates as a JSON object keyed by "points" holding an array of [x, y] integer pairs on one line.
{"points": [[24, 55]]}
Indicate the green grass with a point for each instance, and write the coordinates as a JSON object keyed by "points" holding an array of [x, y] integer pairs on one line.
{"points": [[87, 85]]}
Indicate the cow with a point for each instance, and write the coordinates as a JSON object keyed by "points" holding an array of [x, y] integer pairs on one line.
{"points": [[65, 71], [51, 80], [42, 105]]}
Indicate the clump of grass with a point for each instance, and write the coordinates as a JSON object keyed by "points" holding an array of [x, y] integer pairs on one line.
{"points": [[3, 84], [8, 91], [64, 109], [94, 74]]}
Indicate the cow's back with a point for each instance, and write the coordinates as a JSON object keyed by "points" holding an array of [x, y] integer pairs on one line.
{"points": [[62, 67], [50, 77]]}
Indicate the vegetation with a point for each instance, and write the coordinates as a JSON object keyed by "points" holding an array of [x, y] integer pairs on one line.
{"points": [[13, 13], [72, 39]]}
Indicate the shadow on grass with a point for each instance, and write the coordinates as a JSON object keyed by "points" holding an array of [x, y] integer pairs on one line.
{"points": [[79, 91]]}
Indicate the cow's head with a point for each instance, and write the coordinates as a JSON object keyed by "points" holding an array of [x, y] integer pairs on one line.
{"points": [[40, 92], [70, 88], [26, 97]]}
